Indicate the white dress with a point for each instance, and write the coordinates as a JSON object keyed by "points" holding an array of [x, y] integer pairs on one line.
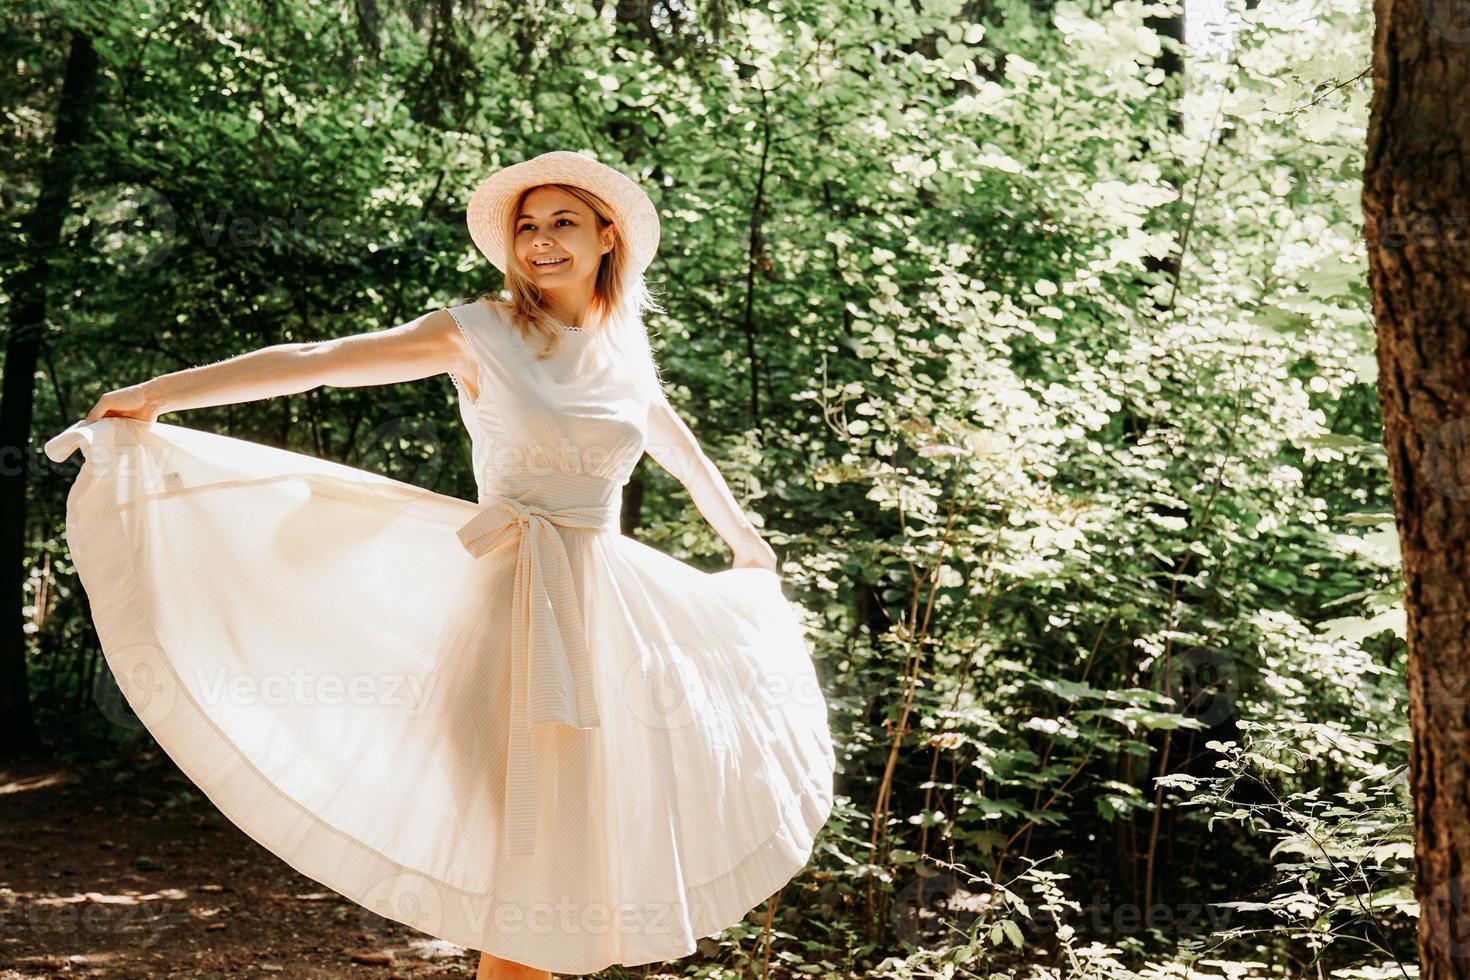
{"points": [[505, 723]]}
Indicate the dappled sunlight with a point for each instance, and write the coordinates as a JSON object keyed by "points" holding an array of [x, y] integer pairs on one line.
{"points": [[31, 784]]}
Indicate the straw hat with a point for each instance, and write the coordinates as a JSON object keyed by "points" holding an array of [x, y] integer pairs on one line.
{"points": [[635, 216]]}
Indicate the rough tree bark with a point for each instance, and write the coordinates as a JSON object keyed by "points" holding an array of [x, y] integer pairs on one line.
{"points": [[1416, 194]]}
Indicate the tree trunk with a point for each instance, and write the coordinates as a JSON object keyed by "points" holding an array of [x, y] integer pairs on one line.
{"points": [[42, 231], [1415, 186]]}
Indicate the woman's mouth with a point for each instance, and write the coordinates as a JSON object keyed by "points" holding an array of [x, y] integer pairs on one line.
{"points": [[549, 263]]}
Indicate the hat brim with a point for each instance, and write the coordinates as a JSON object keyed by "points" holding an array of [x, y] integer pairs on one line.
{"points": [[488, 213]]}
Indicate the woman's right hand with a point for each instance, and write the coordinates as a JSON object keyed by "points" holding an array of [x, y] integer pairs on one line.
{"points": [[132, 402], [756, 552]]}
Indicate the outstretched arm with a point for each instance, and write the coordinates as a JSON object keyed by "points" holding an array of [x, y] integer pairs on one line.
{"points": [[674, 447], [430, 344]]}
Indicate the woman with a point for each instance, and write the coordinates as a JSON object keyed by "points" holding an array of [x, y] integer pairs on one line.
{"points": [[566, 748]]}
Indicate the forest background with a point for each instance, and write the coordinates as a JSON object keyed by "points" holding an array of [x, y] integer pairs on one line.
{"points": [[1037, 337]]}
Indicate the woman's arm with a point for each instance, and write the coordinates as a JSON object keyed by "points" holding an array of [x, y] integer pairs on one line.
{"points": [[673, 446], [431, 344]]}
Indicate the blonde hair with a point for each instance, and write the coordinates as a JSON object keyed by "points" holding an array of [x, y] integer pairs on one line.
{"points": [[620, 297]]}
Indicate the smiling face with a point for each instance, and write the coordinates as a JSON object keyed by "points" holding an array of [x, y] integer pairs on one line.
{"points": [[555, 227]]}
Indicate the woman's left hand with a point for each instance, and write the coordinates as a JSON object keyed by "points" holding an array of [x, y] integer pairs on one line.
{"points": [[137, 401], [755, 553]]}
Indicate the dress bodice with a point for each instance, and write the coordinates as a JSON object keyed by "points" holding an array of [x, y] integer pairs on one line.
{"points": [[565, 430]]}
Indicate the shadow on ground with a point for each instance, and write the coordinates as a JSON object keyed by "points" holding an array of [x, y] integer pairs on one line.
{"points": [[136, 875]]}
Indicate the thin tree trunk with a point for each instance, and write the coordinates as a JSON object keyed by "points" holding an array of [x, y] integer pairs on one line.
{"points": [[42, 230], [758, 257], [1416, 184]]}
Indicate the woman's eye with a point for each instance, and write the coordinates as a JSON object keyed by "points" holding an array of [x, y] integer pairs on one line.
{"points": [[558, 221]]}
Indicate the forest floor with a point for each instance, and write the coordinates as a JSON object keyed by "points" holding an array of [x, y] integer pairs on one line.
{"points": [[136, 875]]}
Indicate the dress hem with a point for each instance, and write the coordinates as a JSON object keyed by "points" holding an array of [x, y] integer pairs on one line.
{"points": [[361, 874]]}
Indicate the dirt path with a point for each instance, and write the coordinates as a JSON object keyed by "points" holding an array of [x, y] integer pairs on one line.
{"points": [[135, 874]]}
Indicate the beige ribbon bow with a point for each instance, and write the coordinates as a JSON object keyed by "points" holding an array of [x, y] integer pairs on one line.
{"points": [[551, 667]]}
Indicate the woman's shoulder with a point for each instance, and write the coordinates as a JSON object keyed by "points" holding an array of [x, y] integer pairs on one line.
{"points": [[496, 316], [486, 324], [480, 306], [481, 316]]}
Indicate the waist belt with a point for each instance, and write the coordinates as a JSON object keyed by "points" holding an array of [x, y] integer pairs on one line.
{"points": [[551, 667]]}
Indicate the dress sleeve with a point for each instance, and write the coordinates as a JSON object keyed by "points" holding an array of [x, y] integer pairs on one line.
{"points": [[463, 318], [674, 447]]}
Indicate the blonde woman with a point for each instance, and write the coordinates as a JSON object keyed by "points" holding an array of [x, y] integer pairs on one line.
{"points": [[505, 723]]}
